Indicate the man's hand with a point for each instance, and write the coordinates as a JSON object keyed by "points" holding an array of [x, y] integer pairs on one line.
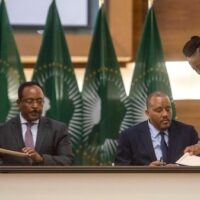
{"points": [[193, 149], [157, 163], [32, 154]]}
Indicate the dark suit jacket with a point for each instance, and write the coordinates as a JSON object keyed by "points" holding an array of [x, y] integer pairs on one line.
{"points": [[135, 145], [52, 142]]}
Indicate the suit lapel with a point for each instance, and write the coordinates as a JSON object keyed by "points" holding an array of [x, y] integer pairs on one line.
{"points": [[42, 132], [145, 138], [16, 131], [173, 142]]}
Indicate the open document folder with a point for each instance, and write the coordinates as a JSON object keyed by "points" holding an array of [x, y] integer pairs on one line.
{"points": [[189, 160]]}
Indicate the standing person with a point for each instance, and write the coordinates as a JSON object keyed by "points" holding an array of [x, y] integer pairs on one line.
{"points": [[45, 141], [191, 50], [158, 140]]}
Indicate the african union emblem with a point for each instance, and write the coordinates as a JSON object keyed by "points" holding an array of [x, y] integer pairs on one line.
{"points": [[106, 113], [10, 79]]}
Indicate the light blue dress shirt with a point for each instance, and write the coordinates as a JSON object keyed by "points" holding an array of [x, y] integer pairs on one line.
{"points": [[156, 140]]}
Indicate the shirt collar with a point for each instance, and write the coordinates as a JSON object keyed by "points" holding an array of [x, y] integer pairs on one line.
{"points": [[154, 131]]}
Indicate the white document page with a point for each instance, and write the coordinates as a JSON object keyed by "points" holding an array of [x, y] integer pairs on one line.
{"points": [[189, 160]]}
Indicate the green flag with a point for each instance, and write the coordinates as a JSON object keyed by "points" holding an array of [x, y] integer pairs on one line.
{"points": [[54, 71], [150, 72], [105, 104], [11, 70]]}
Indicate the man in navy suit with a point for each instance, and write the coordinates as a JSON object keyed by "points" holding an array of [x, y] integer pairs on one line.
{"points": [[44, 141], [142, 144]]}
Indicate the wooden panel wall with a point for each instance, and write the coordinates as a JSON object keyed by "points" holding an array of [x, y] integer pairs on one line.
{"points": [[139, 13], [178, 20], [188, 111]]}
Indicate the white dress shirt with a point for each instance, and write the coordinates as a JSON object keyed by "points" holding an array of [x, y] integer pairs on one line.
{"points": [[34, 128]]}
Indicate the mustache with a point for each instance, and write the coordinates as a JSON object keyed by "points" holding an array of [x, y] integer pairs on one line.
{"points": [[36, 111]]}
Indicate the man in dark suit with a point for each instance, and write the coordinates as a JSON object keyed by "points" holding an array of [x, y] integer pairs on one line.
{"points": [[158, 140], [44, 141]]}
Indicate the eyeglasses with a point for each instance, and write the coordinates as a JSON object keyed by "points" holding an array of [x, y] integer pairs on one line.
{"points": [[32, 101]]}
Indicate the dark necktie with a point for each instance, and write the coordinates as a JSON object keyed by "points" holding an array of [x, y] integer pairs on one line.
{"points": [[28, 136], [164, 147]]}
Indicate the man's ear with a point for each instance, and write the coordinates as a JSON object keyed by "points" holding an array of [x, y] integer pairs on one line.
{"points": [[146, 113]]}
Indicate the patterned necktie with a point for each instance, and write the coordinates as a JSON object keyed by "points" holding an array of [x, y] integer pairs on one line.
{"points": [[164, 147], [28, 136]]}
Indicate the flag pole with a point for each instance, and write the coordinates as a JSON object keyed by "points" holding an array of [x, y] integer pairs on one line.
{"points": [[150, 3], [101, 2]]}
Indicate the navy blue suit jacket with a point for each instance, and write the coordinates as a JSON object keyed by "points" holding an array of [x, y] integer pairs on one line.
{"points": [[135, 145]]}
